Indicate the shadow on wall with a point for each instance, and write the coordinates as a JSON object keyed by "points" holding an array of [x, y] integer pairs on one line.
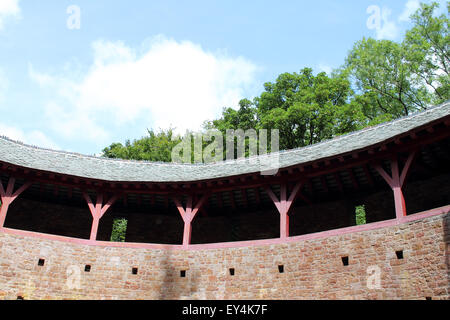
{"points": [[178, 281], [447, 245]]}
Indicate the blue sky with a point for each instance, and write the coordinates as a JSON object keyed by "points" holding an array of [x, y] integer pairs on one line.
{"points": [[133, 65]]}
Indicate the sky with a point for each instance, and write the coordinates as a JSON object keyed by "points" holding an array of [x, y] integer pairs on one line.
{"points": [[79, 75]]}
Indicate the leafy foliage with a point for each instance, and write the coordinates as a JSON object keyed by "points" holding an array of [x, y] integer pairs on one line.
{"points": [[156, 147], [360, 214], [119, 230], [427, 51], [380, 80], [395, 79], [305, 108]]}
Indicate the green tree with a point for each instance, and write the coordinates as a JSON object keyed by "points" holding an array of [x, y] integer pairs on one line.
{"points": [[304, 107], [380, 81], [360, 215], [427, 51], [394, 79], [384, 80], [157, 146], [119, 230], [243, 118]]}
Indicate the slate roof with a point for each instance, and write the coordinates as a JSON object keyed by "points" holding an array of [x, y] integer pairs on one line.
{"points": [[105, 169]]}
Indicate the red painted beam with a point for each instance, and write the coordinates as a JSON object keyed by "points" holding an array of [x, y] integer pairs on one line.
{"points": [[9, 196], [423, 138], [249, 243], [188, 214], [283, 205], [396, 182], [407, 166], [97, 211]]}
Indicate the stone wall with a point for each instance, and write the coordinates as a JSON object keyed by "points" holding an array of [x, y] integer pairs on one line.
{"points": [[313, 269]]}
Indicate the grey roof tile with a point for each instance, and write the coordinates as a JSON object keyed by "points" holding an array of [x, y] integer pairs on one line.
{"points": [[105, 169]]}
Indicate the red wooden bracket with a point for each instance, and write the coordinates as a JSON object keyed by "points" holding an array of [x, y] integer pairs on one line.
{"points": [[188, 214], [98, 210], [396, 181], [283, 205], [9, 196]]}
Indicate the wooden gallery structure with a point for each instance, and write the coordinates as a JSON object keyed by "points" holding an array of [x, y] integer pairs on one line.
{"points": [[397, 172]]}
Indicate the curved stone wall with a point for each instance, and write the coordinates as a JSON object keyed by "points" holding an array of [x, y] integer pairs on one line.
{"points": [[411, 259]]}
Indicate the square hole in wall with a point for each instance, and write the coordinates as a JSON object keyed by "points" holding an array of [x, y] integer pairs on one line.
{"points": [[134, 271], [345, 261], [41, 262], [20, 298], [87, 268], [183, 273], [231, 271], [281, 268], [428, 298], [399, 254]]}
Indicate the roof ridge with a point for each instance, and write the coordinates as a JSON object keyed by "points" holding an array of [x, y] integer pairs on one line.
{"points": [[370, 128], [228, 161]]}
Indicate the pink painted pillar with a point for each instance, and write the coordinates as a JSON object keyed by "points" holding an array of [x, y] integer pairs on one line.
{"points": [[4, 210], [188, 214], [399, 199], [188, 217], [8, 197], [396, 182], [97, 212], [283, 205], [284, 215]]}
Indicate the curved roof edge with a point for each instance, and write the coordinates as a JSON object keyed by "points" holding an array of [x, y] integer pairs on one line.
{"points": [[105, 169]]}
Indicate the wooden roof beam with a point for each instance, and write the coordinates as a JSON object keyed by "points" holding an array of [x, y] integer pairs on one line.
{"points": [[353, 178], [338, 181]]}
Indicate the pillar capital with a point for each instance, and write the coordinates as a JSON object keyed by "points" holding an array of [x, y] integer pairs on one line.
{"points": [[284, 204], [9, 196]]}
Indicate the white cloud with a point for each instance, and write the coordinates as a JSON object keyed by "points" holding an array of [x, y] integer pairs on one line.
{"points": [[410, 8], [8, 8], [40, 78], [325, 68], [4, 84], [167, 83], [34, 137], [73, 123], [387, 28]]}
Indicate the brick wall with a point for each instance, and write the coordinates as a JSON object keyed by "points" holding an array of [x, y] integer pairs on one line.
{"points": [[313, 269]]}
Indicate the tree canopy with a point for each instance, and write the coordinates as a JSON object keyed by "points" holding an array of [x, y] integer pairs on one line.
{"points": [[157, 146], [380, 80]]}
